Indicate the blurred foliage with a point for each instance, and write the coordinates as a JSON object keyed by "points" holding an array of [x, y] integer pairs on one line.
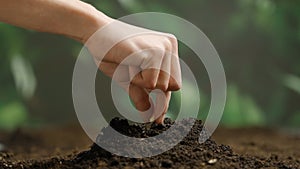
{"points": [[292, 82], [258, 42], [243, 107], [11, 115]]}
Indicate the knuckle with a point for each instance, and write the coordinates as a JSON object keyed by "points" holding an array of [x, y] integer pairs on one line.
{"points": [[167, 44], [158, 55], [174, 86], [130, 49], [150, 84], [162, 86], [172, 38], [155, 56]]}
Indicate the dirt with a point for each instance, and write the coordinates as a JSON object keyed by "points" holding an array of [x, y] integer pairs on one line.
{"points": [[70, 148]]}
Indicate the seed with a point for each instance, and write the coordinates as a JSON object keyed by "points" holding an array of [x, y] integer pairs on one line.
{"points": [[212, 161]]}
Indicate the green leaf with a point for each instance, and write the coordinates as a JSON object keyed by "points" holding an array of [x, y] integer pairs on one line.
{"points": [[12, 115], [292, 82]]}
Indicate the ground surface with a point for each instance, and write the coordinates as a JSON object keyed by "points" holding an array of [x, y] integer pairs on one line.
{"points": [[69, 147]]}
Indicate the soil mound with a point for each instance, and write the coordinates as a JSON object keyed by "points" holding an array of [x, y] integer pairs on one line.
{"points": [[188, 153]]}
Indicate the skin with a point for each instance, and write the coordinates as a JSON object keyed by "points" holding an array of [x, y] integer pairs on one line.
{"points": [[78, 20]]}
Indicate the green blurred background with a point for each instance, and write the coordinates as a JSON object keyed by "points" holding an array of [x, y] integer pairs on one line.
{"points": [[258, 42]]}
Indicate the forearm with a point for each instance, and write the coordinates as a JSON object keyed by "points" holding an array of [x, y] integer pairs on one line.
{"points": [[71, 18]]}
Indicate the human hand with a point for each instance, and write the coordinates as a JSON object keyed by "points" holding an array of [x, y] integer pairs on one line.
{"points": [[140, 63]]}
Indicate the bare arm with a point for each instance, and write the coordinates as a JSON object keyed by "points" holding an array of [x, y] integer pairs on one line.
{"points": [[72, 18], [79, 20]]}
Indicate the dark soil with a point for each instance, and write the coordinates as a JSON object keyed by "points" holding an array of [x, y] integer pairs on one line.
{"points": [[187, 154]]}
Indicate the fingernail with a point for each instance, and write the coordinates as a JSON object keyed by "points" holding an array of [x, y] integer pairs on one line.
{"points": [[160, 120], [152, 119]]}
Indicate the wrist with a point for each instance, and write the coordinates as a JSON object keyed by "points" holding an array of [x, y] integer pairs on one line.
{"points": [[96, 21]]}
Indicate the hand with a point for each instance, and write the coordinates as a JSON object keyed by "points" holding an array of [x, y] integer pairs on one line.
{"points": [[153, 63], [140, 64]]}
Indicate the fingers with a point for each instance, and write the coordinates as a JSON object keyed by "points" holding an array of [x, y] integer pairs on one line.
{"points": [[164, 74], [140, 98], [144, 64], [162, 105], [150, 66], [138, 95], [121, 76], [166, 78], [160, 72], [156, 72], [175, 81], [156, 55]]}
